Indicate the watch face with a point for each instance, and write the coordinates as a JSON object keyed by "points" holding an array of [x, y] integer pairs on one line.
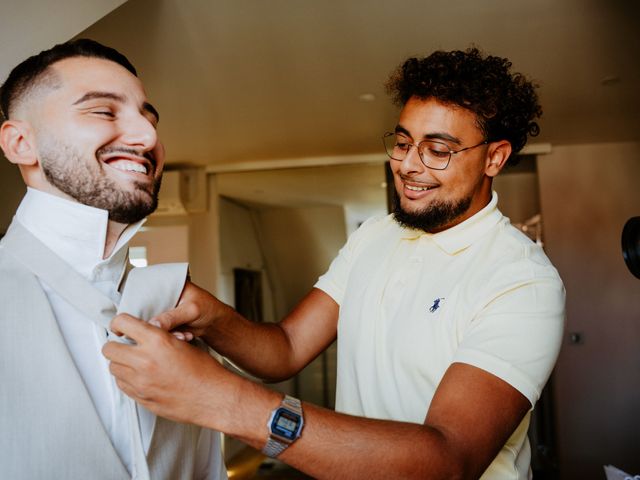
{"points": [[286, 424]]}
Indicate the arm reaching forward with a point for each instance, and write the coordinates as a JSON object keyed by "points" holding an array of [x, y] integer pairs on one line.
{"points": [[471, 416], [270, 351]]}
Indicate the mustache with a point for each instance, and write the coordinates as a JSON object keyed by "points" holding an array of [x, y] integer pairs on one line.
{"points": [[130, 151]]}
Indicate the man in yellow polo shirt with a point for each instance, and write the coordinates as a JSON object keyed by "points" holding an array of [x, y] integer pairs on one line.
{"points": [[448, 319]]}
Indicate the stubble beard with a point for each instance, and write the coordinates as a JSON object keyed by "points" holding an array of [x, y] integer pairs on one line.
{"points": [[433, 217], [87, 183]]}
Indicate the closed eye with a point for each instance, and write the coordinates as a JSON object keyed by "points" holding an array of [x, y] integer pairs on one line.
{"points": [[105, 113], [438, 153]]}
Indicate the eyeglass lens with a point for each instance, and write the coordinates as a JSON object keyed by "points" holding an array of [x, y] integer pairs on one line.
{"points": [[433, 154]]}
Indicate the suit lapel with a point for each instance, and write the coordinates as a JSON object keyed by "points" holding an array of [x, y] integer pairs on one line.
{"points": [[147, 292], [56, 273], [150, 291], [51, 409]]}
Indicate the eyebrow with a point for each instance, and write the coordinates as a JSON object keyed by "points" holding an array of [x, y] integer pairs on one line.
{"points": [[431, 136], [146, 106]]}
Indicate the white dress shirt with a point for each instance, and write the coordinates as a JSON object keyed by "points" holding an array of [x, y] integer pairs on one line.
{"points": [[77, 234]]}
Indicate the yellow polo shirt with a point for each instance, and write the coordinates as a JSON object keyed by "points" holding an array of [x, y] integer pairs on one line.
{"points": [[412, 303]]}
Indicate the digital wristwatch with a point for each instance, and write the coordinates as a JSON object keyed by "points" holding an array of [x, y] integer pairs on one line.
{"points": [[285, 426]]}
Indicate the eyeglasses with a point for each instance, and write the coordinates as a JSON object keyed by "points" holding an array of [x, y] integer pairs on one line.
{"points": [[435, 155]]}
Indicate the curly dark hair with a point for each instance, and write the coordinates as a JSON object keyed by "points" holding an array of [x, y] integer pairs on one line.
{"points": [[34, 69], [505, 103]]}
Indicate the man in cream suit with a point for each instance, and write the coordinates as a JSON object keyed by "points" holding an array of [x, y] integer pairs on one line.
{"points": [[80, 128]]}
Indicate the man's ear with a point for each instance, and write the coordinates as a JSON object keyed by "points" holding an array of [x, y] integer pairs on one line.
{"points": [[497, 156], [16, 140]]}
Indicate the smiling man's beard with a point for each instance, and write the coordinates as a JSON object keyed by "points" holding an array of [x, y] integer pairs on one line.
{"points": [[87, 182], [432, 218]]}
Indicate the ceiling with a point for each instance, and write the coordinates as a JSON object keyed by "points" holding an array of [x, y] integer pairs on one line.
{"points": [[244, 83]]}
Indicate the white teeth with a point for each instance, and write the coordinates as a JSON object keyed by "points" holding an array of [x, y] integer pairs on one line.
{"points": [[128, 166], [418, 189]]}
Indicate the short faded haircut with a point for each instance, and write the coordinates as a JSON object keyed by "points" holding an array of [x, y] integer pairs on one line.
{"points": [[35, 71]]}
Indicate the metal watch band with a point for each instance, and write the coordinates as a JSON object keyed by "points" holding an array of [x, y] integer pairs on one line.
{"points": [[275, 446], [292, 404]]}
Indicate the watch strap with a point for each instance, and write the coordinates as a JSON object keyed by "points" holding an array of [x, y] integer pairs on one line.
{"points": [[292, 404], [275, 446]]}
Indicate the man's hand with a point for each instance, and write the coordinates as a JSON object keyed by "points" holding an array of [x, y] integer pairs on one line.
{"points": [[196, 311], [169, 377]]}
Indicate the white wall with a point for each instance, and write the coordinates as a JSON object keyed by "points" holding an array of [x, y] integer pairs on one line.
{"points": [[164, 244], [302, 242], [194, 238], [588, 192], [240, 248], [204, 241]]}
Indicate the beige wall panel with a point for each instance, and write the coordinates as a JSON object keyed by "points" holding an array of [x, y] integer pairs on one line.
{"points": [[165, 244], [587, 194], [204, 241], [12, 189], [302, 242], [240, 248]]}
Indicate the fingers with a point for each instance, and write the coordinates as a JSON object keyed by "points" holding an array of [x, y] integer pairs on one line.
{"points": [[128, 390], [169, 320], [117, 328], [119, 353], [184, 336], [132, 327], [192, 316], [133, 366], [125, 376]]}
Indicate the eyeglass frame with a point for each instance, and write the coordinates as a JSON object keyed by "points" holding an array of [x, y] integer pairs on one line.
{"points": [[417, 145]]}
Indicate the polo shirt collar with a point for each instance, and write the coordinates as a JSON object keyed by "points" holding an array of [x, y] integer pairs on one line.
{"points": [[460, 236]]}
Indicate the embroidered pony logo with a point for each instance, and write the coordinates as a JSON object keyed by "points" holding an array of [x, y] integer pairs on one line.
{"points": [[436, 305]]}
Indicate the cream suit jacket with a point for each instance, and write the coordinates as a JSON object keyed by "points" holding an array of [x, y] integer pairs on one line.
{"points": [[49, 428]]}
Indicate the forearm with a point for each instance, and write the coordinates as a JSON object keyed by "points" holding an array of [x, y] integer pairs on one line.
{"points": [[272, 351], [471, 416], [262, 349], [334, 445]]}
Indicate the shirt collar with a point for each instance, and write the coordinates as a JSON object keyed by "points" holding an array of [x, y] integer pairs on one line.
{"points": [[460, 236], [75, 232]]}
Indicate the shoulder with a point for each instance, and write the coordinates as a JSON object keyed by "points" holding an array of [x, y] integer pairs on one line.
{"points": [[511, 250], [508, 261], [373, 238], [378, 227], [7, 262], [13, 275], [378, 223]]}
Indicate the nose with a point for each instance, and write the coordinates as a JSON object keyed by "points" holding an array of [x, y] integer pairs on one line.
{"points": [[412, 163], [139, 132]]}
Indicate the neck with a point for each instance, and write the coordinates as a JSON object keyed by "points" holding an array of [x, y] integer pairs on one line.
{"points": [[114, 230]]}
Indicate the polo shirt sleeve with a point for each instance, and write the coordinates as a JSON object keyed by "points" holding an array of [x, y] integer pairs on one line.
{"points": [[334, 281], [517, 332]]}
